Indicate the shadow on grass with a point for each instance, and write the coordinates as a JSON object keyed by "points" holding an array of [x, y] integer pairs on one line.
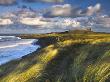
{"points": [[70, 64]]}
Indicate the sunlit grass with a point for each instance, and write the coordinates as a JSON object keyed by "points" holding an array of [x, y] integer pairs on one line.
{"points": [[72, 58], [97, 73], [35, 70]]}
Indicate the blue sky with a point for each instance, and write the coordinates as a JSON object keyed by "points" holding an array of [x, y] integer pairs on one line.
{"points": [[67, 9], [83, 4]]}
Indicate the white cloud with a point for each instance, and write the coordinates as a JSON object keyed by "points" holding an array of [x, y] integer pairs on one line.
{"points": [[93, 9], [61, 10]]}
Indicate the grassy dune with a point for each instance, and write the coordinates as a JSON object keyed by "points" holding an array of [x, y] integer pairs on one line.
{"points": [[66, 57]]}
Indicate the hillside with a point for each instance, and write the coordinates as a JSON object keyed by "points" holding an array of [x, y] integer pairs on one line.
{"points": [[77, 56]]}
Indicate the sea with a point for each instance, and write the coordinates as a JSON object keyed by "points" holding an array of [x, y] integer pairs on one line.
{"points": [[12, 48]]}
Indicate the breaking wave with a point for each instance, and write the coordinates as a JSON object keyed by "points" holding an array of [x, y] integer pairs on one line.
{"points": [[12, 48]]}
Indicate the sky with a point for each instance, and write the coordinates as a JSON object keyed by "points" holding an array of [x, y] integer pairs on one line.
{"points": [[70, 8], [41, 4], [62, 8]]}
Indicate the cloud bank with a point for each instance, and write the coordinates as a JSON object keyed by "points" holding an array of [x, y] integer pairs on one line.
{"points": [[44, 0], [70, 10], [6, 2], [63, 10], [59, 10]]}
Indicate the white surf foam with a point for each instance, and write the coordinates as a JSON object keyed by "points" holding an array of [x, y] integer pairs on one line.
{"points": [[15, 49]]}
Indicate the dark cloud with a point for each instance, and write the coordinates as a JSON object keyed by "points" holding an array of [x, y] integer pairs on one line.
{"points": [[63, 10], [70, 10], [6, 2], [58, 10], [44, 0]]}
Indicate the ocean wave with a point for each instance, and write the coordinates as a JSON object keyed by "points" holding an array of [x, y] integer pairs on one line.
{"points": [[13, 41], [15, 49]]}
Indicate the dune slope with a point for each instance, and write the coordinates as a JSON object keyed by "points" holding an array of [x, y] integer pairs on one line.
{"points": [[69, 57]]}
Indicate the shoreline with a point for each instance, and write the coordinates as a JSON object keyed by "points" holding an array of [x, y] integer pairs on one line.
{"points": [[17, 51], [44, 40], [59, 51]]}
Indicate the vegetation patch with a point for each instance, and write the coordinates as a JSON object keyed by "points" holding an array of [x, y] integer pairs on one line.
{"points": [[68, 57]]}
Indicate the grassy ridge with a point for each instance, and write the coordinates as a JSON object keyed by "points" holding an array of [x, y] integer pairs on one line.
{"points": [[68, 57]]}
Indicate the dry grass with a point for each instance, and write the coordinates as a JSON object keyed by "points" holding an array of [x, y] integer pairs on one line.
{"points": [[73, 58]]}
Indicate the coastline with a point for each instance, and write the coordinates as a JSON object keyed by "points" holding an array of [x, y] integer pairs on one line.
{"points": [[17, 49], [56, 54]]}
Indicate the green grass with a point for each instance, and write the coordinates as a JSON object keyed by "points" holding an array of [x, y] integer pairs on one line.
{"points": [[68, 57]]}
